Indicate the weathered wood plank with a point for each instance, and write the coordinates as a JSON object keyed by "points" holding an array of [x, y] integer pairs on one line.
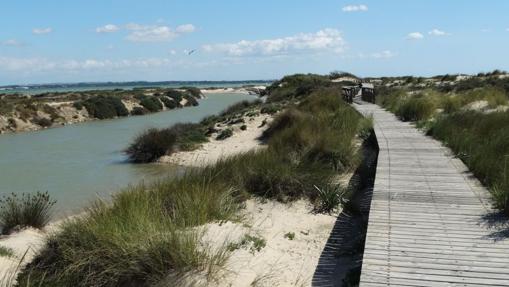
{"points": [[427, 224]]}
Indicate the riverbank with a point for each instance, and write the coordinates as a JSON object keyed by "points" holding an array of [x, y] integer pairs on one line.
{"points": [[30, 113]]}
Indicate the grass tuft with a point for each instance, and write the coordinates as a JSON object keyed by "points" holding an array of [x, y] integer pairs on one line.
{"points": [[25, 210]]}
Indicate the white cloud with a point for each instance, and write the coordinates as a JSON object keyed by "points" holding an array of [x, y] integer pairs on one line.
{"points": [[41, 31], [437, 32], [109, 28], [386, 54], [12, 43], [186, 28], [355, 8], [43, 64], [173, 52], [323, 40], [415, 36], [507, 29]]}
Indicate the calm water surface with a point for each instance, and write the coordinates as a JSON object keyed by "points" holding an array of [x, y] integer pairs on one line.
{"points": [[81, 162]]}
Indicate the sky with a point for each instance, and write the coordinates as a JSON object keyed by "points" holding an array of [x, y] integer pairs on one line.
{"points": [[56, 41]]}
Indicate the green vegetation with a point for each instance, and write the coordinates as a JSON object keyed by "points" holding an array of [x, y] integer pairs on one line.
{"points": [[290, 235], [329, 198], [481, 141], [254, 243], [105, 107], [139, 111], [154, 143], [151, 103], [465, 116], [6, 252], [147, 235], [27, 210], [224, 134], [191, 101], [169, 103]]}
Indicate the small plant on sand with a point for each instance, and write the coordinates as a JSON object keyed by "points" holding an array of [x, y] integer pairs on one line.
{"points": [[25, 210], [6, 252], [243, 127], [329, 198], [253, 242], [290, 235], [224, 134]]}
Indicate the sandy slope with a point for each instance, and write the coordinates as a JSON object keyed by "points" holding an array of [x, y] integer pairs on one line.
{"points": [[283, 261], [210, 152]]}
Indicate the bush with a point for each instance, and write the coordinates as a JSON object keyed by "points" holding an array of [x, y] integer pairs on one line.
{"points": [[154, 143], [176, 95], [243, 127], [191, 101], [296, 86], [6, 252], [152, 104], [105, 107], [43, 122], [25, 211], [224, 134], [195, 92], [139, 111], [169, 103]]}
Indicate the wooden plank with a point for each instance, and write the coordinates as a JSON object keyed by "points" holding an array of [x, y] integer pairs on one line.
{"points": [[426, 224]]}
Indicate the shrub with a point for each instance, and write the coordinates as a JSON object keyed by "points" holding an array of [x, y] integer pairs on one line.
{"points": [[152, 104], [295, 86], [151, 145], [270, 109], [6, 252], [224, 134], [191, 101], [105, 107], [43, 122], [195, 92], [78, 105], [139, 111], [26, 210], [154, 143], [290, 235], [243, 127], [176, 95], [169, 103]]}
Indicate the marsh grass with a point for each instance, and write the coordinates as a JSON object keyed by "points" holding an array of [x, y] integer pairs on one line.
{"points": [[25, 210]]}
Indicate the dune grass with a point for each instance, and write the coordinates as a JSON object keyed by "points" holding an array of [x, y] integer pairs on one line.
{"points": [[481, 141], [149, 234], [145, 234], [25, 210]]}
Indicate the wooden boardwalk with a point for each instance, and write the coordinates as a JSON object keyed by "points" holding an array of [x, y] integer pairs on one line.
{"points": [[430, 223]]}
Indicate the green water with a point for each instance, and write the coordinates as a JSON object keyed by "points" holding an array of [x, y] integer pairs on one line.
{"points": [[78, 163]]}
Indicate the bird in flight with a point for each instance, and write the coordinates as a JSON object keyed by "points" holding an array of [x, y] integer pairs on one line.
{"points": [[191, 52]]}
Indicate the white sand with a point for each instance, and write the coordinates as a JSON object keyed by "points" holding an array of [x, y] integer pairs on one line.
{"points": [[282, 262], [210, 152]]}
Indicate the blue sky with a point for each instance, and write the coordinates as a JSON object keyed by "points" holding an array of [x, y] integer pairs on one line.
{"points": [[121, 40]]}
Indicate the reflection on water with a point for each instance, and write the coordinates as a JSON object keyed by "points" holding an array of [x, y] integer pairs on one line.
{"points": [[81, 162]]}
